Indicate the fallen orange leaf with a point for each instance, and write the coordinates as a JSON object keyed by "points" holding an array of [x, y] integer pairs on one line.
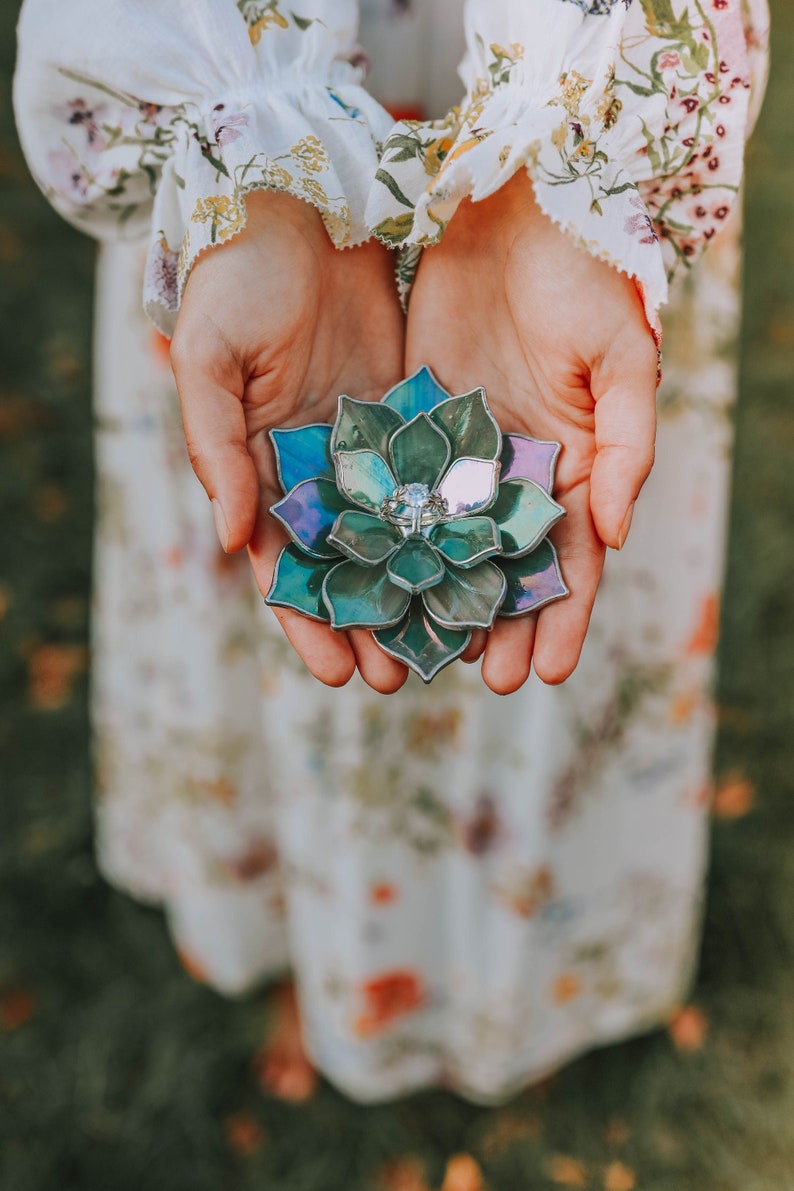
{"points": [[619, 1177], [52, 670], [733, 797], [567, 1172], [463, 1174], [403, 1174], [244, 1134], [617, 1133], [688, 1028], [16, 1008]]}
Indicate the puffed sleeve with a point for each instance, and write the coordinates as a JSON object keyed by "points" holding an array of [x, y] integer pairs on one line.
{"points": [[629, 115], [143, 117]]}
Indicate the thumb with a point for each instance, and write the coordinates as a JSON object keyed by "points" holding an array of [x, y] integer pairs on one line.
{"points": [[210, 386], [624, 392]]}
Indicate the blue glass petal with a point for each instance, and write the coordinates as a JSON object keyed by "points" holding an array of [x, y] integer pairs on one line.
{"points": [[363, 597], [423, 645], [308, 514], [302, 454], [532, 581], [364, 477], [525, 458], [416, 565], [298, 583], [418, 394]]}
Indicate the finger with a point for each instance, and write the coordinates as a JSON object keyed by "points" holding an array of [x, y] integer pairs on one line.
{"points": [[562, 626], [326, 653], [474, 650], [624, 391], [508, 654], [210, 387], [383, 673]]}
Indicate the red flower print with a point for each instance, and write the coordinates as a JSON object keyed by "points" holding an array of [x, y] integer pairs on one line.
{"points": [[387, 998], [669, 61]]}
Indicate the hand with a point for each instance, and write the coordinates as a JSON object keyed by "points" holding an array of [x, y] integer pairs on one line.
{"points": [[560, 342], [273, 327]]}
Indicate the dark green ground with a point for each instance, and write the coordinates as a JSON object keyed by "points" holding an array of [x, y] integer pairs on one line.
{"points": [[116, 1071]]}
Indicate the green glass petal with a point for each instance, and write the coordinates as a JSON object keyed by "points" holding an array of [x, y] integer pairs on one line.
{"points": [[416, 565], [364, 477], [470, 426], [524, 514], [298, 583], [363, 597], [309, 512], [468, 541], [418, 394], [419, 452], [364, 426], [423, 645], [468, 598], [533, 580], [364, 538], [302, 454]]}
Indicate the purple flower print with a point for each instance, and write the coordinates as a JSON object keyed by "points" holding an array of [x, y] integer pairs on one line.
{"points": [[78, 113], [640, 224], [225, 129], [68, 175]]}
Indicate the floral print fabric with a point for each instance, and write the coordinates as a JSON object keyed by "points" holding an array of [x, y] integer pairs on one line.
{"points": [[469, 889]]}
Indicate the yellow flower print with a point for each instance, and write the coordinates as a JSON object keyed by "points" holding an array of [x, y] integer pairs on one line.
{"points": [[310, 154], [338, 224], [313, 190], [224, 215], [276, 176], [433, 155]]}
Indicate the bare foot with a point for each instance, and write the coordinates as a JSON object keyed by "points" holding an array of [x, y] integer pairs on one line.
{"points": [[282, 1066]]}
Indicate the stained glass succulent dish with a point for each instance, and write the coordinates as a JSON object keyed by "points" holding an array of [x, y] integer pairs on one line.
{"points": [[417, 518]]}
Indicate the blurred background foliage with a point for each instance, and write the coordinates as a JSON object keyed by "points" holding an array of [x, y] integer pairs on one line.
{"points": [[117, 1070]]}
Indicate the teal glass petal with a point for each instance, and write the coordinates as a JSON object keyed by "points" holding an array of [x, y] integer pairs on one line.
{"points": [[524, 514], [364, 538], [419, 452], [364, 426], [298, 583], [364, 477], [302, 454], [525, 458], [308, 514], [424, 646], [468, 541], [467, 597], [418, 394], [469, 486], [532, 581], [470, 426], [416, 565], [363, 597]]}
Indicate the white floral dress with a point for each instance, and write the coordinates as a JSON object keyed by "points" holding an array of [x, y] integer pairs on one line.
{"points": [[469, 889]]}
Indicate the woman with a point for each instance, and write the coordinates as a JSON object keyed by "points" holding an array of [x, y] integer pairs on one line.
{"points": [[468, 890]]}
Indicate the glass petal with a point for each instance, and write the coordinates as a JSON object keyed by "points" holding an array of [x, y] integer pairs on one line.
{"points": [[468, 541], [418, 394], [364, 426], [524, 514], [467, 597], [419, 452], [470, 426], [303, 454], [364, 538], [416, 565], [298, 583], [525, 458], [423, 645], [308, 514], [532, 581], [469, 486], [365, 478], [363, 597]]}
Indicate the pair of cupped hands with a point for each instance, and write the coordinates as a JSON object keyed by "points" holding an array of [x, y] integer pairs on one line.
{"points": [[278, 322]]}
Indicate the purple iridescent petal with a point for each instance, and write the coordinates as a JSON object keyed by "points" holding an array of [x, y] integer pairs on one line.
{"points": [[308, 514], [469, 487], [526, 458], [302, 454], [532, 581]]}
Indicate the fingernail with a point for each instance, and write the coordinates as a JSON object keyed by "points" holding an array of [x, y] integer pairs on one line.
{"points": [[221, 523], [625, 527]]}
